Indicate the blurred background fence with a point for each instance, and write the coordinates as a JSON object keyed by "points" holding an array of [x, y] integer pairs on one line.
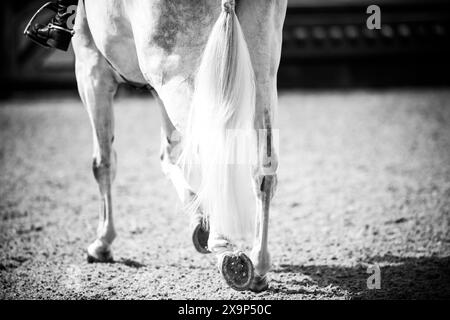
{"points": [[326, 44]]}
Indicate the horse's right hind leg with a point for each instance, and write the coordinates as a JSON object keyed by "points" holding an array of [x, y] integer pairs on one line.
{"points": [[97, 85]]}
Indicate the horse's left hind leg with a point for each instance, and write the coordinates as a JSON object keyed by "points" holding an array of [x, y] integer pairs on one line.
{"points": [[97, 86], [98, 101]]}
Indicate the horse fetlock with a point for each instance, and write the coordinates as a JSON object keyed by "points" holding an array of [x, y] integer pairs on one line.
{"points": [[261, 261], [107, 235], [219, 245]]}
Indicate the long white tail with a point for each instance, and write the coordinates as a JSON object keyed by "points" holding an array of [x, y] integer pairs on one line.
{"points": [[220, 138]]}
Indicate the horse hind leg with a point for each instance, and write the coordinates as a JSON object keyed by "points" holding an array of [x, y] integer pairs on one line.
{"points": [[171, 148], [103, 166], [97, 86], [264, 182], [265, 51], [265, 185]]}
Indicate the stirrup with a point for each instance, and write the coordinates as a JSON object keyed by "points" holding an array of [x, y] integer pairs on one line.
{"points": [[30, 31], [54, 26]]}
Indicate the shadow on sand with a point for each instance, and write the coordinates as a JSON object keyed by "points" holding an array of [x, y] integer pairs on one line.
{"points": [[401, 278], [130, 263]]}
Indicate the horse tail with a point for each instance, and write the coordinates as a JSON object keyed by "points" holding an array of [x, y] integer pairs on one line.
{"points": [[220, 137]]}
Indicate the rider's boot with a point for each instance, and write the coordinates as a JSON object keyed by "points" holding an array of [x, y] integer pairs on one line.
{"points": [[55, 34]]}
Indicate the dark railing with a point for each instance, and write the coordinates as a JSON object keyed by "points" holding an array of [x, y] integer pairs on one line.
{"points": [[327, 43]]}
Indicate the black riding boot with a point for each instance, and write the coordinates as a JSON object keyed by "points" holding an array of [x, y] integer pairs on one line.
{"points": [[56, 34]]}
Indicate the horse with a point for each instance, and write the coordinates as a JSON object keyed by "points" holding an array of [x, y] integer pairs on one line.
{"points": [[212, 66]]}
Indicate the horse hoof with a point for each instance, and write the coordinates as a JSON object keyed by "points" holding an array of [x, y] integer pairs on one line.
{"points": [[200, 239], [102, 257], [237, 270], [259, 284]]}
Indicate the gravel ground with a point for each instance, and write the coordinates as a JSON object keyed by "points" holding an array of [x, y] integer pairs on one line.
{"points": [[364, 179]]}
